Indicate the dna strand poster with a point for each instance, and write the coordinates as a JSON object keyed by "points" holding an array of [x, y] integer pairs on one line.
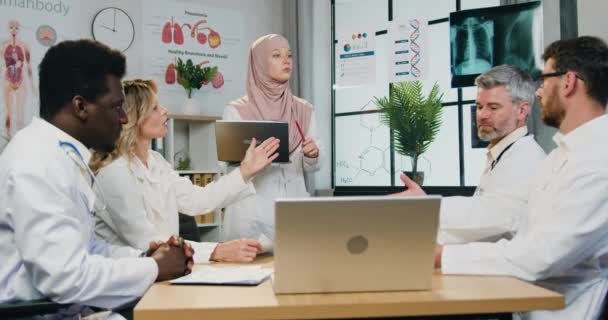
{"points": [[210, 37], [409, 50], [27, 30]]}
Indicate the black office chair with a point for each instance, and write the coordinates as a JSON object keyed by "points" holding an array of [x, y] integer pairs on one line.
{"points": [[31, 310], [604, 314], [28, 309], [188, 229]]}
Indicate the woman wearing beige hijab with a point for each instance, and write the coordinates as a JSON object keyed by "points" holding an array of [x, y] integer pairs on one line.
{"points": [[270, 98]]}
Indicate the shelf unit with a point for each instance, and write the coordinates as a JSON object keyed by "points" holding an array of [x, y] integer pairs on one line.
{"points": [[183, 172], [195, 135]]}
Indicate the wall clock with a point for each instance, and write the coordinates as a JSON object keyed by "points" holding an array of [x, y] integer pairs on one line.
{"points": [[113, 27]]}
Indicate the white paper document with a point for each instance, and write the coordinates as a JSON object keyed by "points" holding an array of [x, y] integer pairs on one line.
{"points": [[356, 58], [232, 275]]}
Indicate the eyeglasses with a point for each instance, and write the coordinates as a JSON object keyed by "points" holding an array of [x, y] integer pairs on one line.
{"points": [[540, 79]]}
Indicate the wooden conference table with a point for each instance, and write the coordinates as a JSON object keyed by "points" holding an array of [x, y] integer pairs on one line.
{"points": [[481, 296]]}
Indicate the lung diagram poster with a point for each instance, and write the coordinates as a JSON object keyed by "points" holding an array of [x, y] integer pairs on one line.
{"points": [[209, 37]]}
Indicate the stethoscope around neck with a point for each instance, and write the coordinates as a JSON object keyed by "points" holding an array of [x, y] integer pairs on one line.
{"points": [[71, 150]]}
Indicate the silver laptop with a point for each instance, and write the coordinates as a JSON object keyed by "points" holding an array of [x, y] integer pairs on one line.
{"points": [[234, 137], [349, 244]]}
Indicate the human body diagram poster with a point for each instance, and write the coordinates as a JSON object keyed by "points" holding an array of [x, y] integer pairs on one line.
{"points": [[208, 36], [409, 50], [27, 30]]}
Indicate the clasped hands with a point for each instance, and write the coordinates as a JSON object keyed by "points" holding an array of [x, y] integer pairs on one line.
{"points": [[173, 257]]}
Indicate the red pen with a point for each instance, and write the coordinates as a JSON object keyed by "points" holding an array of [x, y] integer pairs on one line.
{"points": [[300, 130]]}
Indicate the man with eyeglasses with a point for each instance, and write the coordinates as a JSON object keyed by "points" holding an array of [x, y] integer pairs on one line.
{"points": [[505, 95], [563, 246]]}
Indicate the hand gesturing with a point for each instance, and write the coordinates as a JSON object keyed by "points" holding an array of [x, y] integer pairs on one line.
{"points": [[258, 158]]}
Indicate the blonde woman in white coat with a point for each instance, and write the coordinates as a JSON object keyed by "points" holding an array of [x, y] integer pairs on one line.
{"points": [[269, 98], [144, 194]]}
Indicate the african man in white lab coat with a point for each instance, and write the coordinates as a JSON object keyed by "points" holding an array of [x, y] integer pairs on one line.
{"points": [[563, 246], [47, 230], [505, 95]]}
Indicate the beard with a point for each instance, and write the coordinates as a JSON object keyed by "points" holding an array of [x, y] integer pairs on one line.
{"points": [[490, 135], [552, 118], [552, 113], [495, 133]]}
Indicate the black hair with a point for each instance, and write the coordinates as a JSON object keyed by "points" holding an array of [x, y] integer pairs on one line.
{"points": [[73, 68], [586, 56]]}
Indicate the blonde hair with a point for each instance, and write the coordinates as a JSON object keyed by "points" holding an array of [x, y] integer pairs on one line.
{"points": [[139, 102]]}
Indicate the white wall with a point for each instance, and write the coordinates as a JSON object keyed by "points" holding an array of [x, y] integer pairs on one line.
{"points": [[592, 18], [551, 32]]}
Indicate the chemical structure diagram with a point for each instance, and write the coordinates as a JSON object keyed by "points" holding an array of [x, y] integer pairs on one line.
{"points": [[372, 160]]}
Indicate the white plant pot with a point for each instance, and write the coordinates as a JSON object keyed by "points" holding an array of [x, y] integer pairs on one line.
{"points": [[191, 107]]}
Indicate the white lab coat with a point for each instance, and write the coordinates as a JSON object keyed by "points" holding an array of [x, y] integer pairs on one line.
{"points": [[564, 244], [254, 216], [500, 201], [143, 202], [47, 239]]}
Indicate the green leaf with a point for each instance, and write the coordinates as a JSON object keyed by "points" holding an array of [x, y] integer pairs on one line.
{"points": [[191, 76], [414, 120]]}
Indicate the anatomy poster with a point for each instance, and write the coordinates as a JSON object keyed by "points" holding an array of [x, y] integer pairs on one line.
{"points": [[208, 36], [27, 30], [409, 50]]}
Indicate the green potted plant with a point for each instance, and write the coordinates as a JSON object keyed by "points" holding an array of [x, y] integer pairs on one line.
{"points": [[414, 120], [191, 76]]}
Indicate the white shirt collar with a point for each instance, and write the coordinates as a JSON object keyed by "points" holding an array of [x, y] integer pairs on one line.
{"points": [[64, 137], [515, 135], [587, 133], [140, 170]]}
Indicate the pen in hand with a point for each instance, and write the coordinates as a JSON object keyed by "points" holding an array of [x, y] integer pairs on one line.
{"points": [[309, 148], [300, 131]]}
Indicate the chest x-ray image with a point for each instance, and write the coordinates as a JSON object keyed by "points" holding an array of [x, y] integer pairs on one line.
{"points": [[487, 37], [474, 48]]}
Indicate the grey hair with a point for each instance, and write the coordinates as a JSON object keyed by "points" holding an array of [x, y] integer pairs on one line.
{"points": [[518, 82]]}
